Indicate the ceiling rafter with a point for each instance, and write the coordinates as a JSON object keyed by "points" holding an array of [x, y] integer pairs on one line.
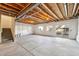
{"points": [[29, 20], [23, 9], [12, 6], [70, 7], [44, 17], [34, 11], [41, 17], [60, 10], [6, 7], [30, 16], [21, 5], [25, 22], [54, 8], [37, 16], [41, 12], [51, 11], [8, 11], [36, 19], [27, 9], [53, 18], [66, 10], [47, 12], [75, 9]]}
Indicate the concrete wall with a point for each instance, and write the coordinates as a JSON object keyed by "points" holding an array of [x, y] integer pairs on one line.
{"points": [[71, 24], [23, 29]]}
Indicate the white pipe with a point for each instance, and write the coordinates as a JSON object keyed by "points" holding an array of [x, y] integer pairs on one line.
{"points": [[74, 8], [65, 6], [29, 10]]}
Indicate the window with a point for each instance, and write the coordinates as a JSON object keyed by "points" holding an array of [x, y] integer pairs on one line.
{"points": [[40, 28], [49, 28]]}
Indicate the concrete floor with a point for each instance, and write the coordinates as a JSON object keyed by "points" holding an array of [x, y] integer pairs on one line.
{"points": [[35, 45]]}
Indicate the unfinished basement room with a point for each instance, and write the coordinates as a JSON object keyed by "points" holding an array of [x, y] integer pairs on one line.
{"points": [[39, 29]]}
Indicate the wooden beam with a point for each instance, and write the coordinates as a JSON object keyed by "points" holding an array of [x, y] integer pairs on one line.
{"points": [[36, 13], [60, 10], [35, 19], [1, 9], [6, 7], [70, 7], [66, 11], [50, 11], [23, 9], [6, 13], [42, 10], [12, 6], [53, 18], [20, 5], [44, 17], [27, 10], [75, 9], [29, 20]]}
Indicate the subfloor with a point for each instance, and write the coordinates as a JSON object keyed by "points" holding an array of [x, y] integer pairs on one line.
{"points": [[36, 45]]}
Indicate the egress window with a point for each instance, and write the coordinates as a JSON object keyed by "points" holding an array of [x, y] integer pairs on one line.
{"points": [[40, 28]]}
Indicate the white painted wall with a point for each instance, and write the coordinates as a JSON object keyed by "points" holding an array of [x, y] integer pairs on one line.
{"points": [[78, 32], [71, 24], [23, 29]]}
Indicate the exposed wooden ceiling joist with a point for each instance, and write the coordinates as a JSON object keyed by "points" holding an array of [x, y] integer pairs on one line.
{"points": [[9, 12], [66, 11], [21, 5], [11, 5], [29, 21], [54, 8], [45, 11], [75, 9], [41, 10], [39, 14], [60, 10], [36, 19], [27, 10], [24, 9], [50, 11], [70, 7], [6, 7], [6, 13], [35, 13]]}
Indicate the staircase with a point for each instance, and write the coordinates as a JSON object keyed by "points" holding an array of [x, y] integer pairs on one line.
{"points": [[7, 35]]}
